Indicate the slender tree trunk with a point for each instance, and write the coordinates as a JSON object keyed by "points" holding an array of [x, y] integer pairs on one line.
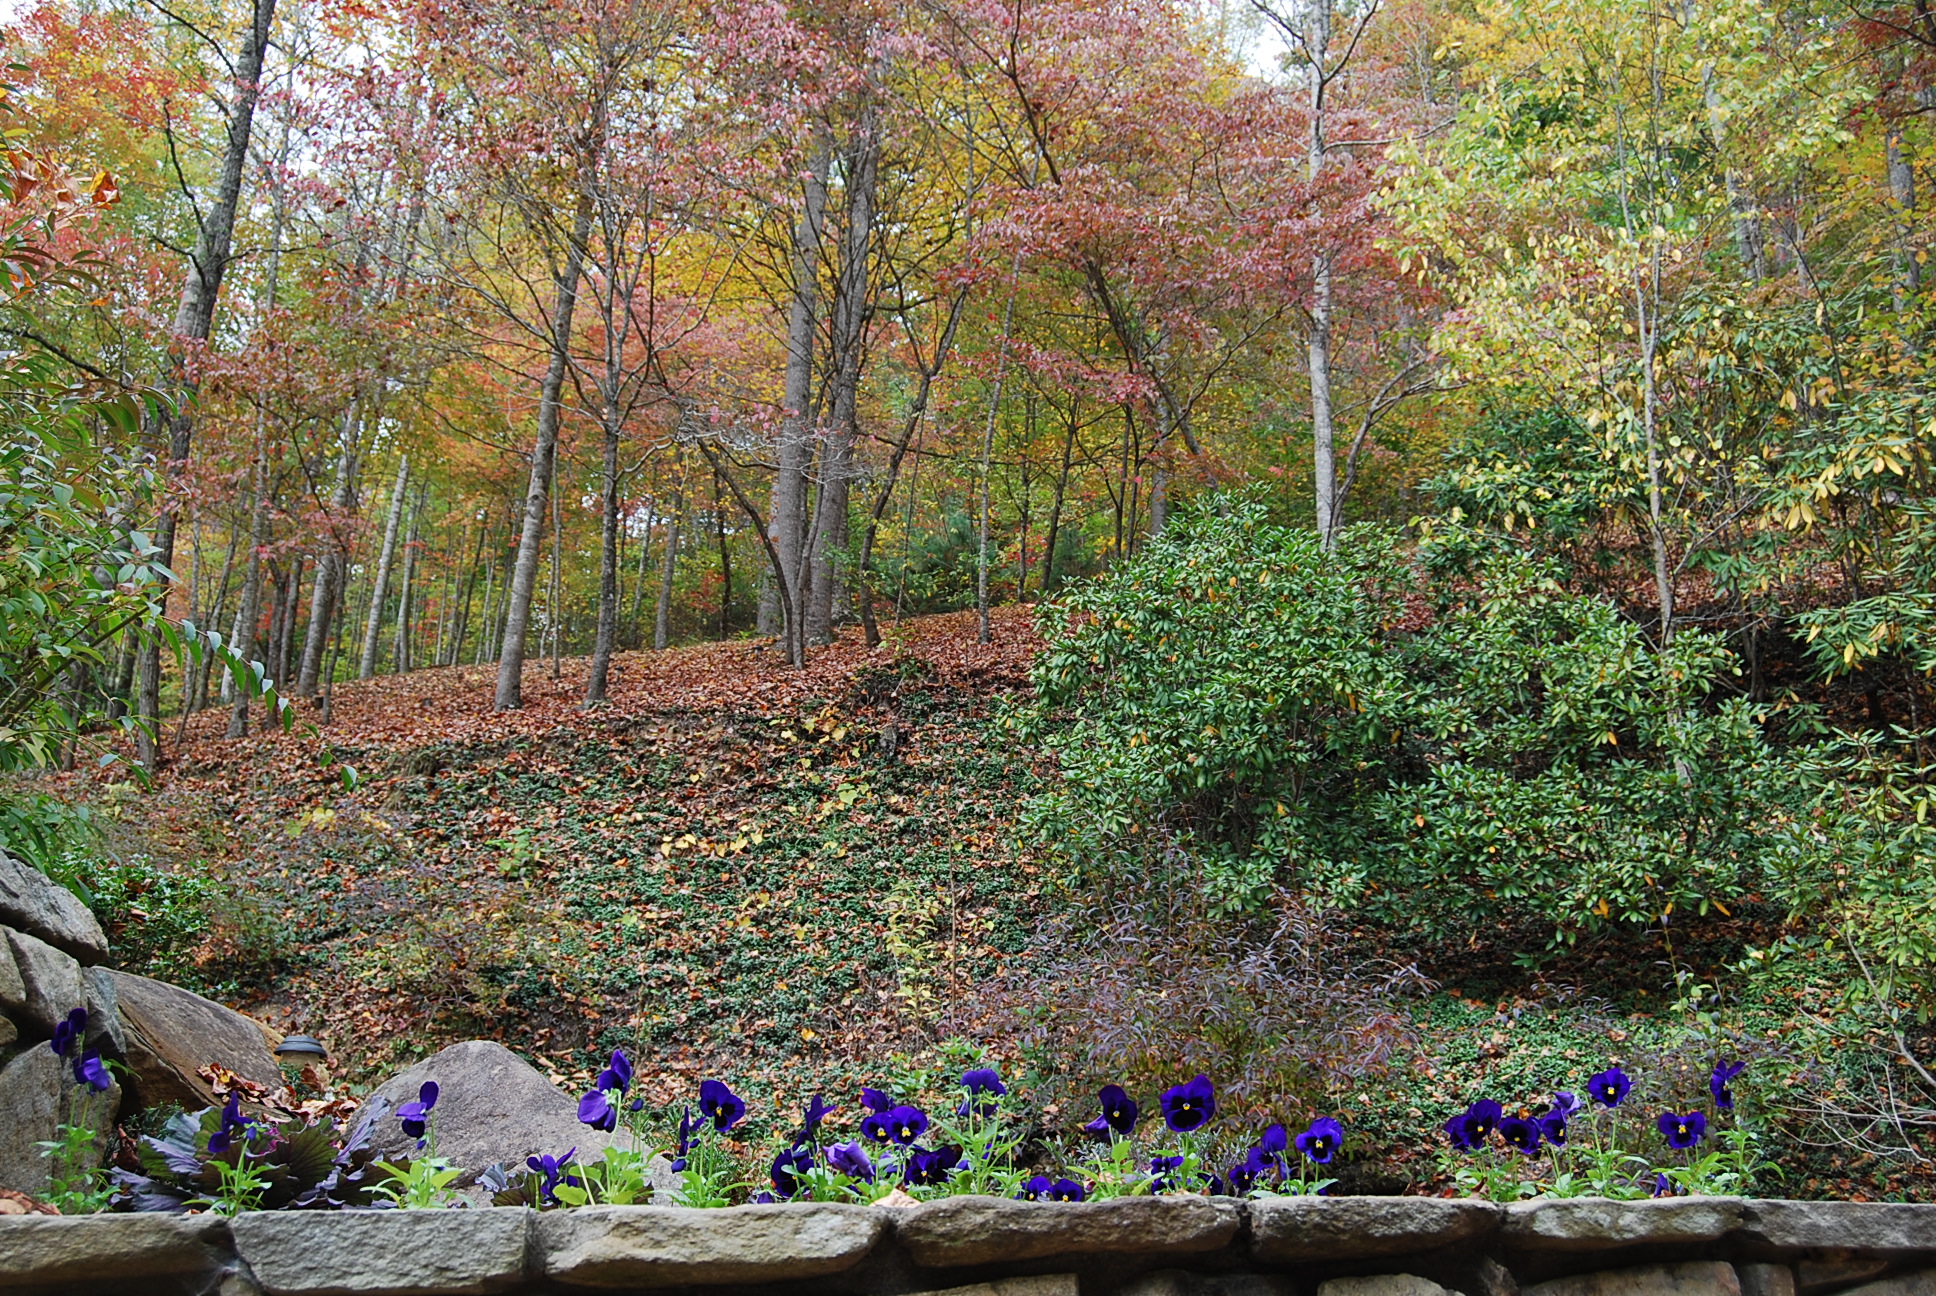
{"points": [[282, 628], [524, 576], [380, 584], [464, 608], [401, 657], [1055, 508], [1323, 295], [982, 634], [725, 560], [787, 511], [332, 565], [1749, 242], [194, 319], [554, 588], [662, 627], [607, 633], [633, 636]]}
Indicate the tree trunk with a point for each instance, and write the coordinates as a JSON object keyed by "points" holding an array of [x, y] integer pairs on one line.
{"points": [[464, 608], [524, 576], [851, 311], [725, 560], [194, 319], [662, 628], [787, 511], [332, 565], [380, 584], [1323, 295], [1055, 508], [632, 635], [401, 656], [607, 632]]}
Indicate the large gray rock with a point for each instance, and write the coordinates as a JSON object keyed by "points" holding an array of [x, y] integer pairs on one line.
{"points": [[669, 1246], [982, 1230], [104, 1029], [52, 979], [1698, 1278], [1831, 1270], [169, 1034], [13, 990], [1765, 1279], [128, 1253], [33, 903], [1383, 1285], [1600, 1224], [1347, 1228], [37, 1095], [1920, 1283], [1856, 1226], [325, 1253], [492, 1106]]}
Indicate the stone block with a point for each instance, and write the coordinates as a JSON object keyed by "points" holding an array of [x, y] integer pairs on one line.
{"points": [[1382, 1285], [32, 902], [1855, 1226], [1920, 1283], [110, 1252], [52, 979], [1698, 1278], [37, 1095], [13, 990], [1179, 1282], [104, 1030], [1353, 1228], [396, 1253], [1765, 1279], [1037, 1285], [986, 1230], [1829, 1270], [670, 1246], [1600, 1224]]}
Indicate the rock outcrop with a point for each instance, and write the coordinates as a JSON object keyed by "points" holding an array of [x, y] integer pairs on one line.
{"points": [[171, 1033]]}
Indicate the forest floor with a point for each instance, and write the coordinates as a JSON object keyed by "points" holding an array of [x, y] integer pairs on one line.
{"points": [[729, 869]]}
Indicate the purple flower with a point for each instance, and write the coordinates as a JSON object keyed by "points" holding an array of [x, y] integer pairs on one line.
{"points": [[876, 1101], [905, 1124], [1520, 1133], [1717, 1084], [1566, 1104], [810, 1117], [875, 1128], [851, 1160], [1321, 1141], [790, 1163], [233, 1123], [1036, 1188], [1189, 1106], [1161, 1171], [88, 1070], [413, 1115], [1245, 1172], [553, 1169], [596, 1110], [687, 1128], [617, 1076], [69, 1032], [1471, 1127], [1663, 1186], [1609, 1087], [1552, 1127], [1066, 1190], [720, 1105], [1681, 1131], [1118, 1112], [983, 1086], [925, 1167]]}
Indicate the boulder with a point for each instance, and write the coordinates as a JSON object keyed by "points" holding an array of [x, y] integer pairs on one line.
{"points": [[672, 1246], [1035, 1285], [13, 990], [1349, 1228], [1600, 1224], [1766, 1279], [492, 1106], [1180, 1282], [8, 1032], [127, 1253], [31, 902], [52, 979], [1696, 1278], [37, 1095], [327, 1253], [104, 1029], [1920, 1283], [1830, 1270], [983, 1230], [1383, 1285], [171, 1033]]}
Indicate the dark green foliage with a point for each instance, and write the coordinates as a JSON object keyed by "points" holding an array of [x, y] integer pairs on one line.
{"points": [[1437, 752]]}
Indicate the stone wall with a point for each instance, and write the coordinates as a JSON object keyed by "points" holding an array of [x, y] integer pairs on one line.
{"points": [[982, 1246]]}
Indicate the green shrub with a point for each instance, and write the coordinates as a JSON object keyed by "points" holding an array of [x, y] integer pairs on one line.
{"points": [[1441, 752]]}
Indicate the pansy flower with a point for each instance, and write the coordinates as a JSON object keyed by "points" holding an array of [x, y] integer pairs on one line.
{"points": [[596, 1110], [1609, 1087], [1066, 1190], [233, 1123], [414, 1116], [68, 1032], [1663, 1186], [851, 1160], [1189, 1106], [554, 1170], [1320, 1142], [1471, 1127], [1718, 1082], [89, 1071], [983, 1086], [720, 1105], [906, 1124], [1118, 1112], [617, 1076], [1520, 1133], [1681, 1131], [810, 1117], [877, 1102], [1566, 1104], [1552, 1127], [925, 1167], [1162, 1171], [1035, 1188], [687, 1128], [791, 1162]]}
